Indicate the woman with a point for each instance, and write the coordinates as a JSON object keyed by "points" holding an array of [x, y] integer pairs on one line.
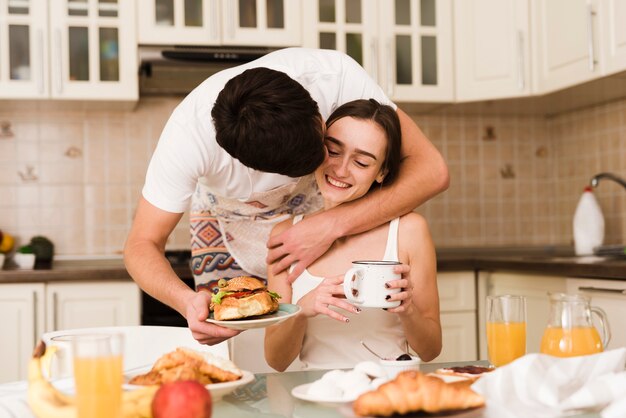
{"points": [[363, 143]]}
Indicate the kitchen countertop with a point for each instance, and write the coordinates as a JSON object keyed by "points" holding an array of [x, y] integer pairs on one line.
{"points": [[558, 261]]}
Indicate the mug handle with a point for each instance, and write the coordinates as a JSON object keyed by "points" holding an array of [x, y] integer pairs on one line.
{"points": [[347, 284], [46, 360], [604, 321]]}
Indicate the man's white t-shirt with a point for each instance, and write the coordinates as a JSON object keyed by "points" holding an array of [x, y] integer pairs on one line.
{"points": [[187, 151]]}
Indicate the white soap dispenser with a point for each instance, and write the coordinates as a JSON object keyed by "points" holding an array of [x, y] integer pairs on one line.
{"points": [[588, 224]]}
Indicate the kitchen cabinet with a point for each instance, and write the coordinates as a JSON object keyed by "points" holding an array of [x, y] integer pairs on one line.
{"points": [[610, 296], [68, 49], [566, 43], [534, 287], [91, 304], [22, 310], [613, 35], [457, 304], [492, 49], [23, 49], [215, 22], [35, 308], [405, 45]]}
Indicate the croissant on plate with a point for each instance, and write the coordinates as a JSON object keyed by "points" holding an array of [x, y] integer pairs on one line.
{"points": [[412, 391]]}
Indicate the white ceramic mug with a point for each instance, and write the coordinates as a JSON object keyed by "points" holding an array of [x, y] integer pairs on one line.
{"points": [[364, 283], [58, 359]]}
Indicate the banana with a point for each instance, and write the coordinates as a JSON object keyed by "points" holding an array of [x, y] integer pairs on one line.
{"points": [[46, 401]]}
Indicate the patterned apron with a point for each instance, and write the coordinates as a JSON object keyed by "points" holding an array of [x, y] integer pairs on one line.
{"points": [[229, 236]]}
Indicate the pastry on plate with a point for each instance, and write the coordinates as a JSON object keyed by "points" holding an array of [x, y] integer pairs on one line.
{"points": [[188, 364], [412, 391]]}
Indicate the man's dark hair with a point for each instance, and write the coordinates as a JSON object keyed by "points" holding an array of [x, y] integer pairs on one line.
{"points": [[270, 123], [385, 117]]}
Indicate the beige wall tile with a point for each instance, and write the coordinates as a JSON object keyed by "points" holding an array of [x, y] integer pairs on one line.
{"points": [[87, 203]]}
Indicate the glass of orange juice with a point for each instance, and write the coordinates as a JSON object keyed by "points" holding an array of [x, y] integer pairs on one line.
{"points": [[506, 328], [98, 374]]}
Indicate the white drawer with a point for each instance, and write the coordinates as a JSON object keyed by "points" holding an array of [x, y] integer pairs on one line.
{"points": [[457, 291]]}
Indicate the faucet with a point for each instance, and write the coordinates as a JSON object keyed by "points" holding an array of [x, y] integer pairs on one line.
{"points": [[595, 180]]}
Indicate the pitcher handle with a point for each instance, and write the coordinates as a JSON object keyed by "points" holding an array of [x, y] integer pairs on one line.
{"points": [[604, 320], [347, 285]]}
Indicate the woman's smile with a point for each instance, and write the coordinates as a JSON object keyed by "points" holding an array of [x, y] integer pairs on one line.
{"points": [[337, 183]]}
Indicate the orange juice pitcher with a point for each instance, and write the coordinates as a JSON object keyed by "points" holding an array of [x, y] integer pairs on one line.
{"points": [[570, 330]]}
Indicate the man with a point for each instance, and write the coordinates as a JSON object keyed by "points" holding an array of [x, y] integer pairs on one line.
{"points": [[240, 148]]}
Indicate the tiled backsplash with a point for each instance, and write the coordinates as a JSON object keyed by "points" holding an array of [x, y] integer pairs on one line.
{"points": [[75, 176]]}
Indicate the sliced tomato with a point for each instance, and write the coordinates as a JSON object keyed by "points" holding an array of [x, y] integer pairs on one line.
{"points": [[239, 295]]}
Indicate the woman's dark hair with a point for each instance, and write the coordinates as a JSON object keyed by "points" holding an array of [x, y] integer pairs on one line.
{"points": [[385, 117], [269, 122]]}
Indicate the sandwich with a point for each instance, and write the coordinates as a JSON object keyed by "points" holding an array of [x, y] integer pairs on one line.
{"points": [[243, 297]]}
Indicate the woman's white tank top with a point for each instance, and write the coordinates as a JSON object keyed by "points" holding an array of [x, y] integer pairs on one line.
{"points": [[330, 344]]}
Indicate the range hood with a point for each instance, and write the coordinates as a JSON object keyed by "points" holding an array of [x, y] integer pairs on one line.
{"points": [[176, 70]]}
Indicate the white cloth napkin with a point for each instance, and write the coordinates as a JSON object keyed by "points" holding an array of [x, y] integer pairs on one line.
{"points": [[13, 397], [543, 386]]}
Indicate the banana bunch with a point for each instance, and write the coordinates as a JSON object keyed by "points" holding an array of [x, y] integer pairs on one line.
{"points": [[46, 401]]}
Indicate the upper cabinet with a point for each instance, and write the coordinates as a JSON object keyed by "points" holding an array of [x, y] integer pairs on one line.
{"points": [[23, 49], [492, 52], [565, 42], [219, 22], [405, 45], [614, 35], [74, 49]]}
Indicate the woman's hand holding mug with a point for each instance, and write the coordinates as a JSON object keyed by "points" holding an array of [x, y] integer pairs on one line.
{"points": [[328, 293]]}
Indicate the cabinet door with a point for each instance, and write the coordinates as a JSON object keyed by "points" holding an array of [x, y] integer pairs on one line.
{"points": [[458, 331], [565, 43], [178, 22], [91, 304], [416, 50], [93, 49], [21, 306], [457, 303], [492, 48], [609, 296], [535, 288], [23, 49], [349, 26], [261, 22], [614, 35]]}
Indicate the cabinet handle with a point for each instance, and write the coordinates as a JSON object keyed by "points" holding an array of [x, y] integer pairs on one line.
{"points": [[601, 290], [54, 311], [374, 50], [231, 19], [214, 20], [59, 58], [35, 330], [590, 14], [40, 53], [521, 79], [390, 77]]}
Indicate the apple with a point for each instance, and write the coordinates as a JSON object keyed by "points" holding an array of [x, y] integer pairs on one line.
{"points": [[182, 399]]}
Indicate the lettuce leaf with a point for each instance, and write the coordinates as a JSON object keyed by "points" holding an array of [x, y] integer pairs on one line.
{"points": [[217, 298], [274, 295]]}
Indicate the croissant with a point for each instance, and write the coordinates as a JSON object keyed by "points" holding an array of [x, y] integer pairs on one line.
{"points": [[412, 391]]}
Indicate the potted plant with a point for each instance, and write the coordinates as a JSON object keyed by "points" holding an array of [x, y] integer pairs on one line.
{"points": [[24, 257]]}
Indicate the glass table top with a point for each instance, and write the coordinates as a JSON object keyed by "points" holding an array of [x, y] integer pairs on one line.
{"points": [[269, 395]]}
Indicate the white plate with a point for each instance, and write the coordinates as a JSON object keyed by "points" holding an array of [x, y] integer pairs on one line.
{"points": [[218, 390], [285, 310], [302, 392]]}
